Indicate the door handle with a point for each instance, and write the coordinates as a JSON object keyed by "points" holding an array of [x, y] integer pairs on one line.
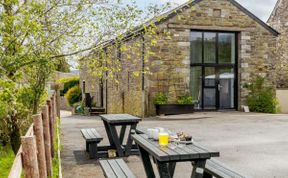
{"points": [[219, 87]]}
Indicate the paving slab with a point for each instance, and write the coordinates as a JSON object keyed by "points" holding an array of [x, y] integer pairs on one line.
{"points": [[254, 144]]}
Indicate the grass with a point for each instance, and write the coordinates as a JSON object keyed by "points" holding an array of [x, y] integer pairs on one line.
{"points": [[6, 160], [55, 161], [7, 156]]}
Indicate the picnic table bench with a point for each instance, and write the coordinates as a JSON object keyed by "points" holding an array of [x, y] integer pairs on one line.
{"points": [[128, 124], [116, 168], [92, 138], [217, 169]]}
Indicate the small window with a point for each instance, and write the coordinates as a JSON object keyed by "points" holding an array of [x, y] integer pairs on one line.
{"points": [[217, 12]]}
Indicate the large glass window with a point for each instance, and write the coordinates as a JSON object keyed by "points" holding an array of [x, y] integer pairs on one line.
{"points": [[196, 47], [226, 48], [213, 48], [209, 47]]}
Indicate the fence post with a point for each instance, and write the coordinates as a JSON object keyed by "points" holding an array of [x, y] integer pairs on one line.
{"points": [[58, 100], [51, 126], [47, 140], [54, 107], [38, 131], [29, 157]]}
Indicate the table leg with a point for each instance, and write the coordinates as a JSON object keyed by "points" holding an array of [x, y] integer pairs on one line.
{"points": [[198, 169], [129, 140], [116, 140], [172, 168], [146, 163], [163, 170], [110, 138], [122, 133]]}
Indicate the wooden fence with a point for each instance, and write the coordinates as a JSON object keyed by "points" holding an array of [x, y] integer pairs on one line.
{"points": [[36, 152]]}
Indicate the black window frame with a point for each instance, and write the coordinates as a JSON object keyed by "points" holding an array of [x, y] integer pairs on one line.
{"points": [[217, 65]]}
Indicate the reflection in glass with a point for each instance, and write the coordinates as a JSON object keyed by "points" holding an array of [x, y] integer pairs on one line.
{"points": [[210, 76], [226, 48], [209, 98], [196, 85], [226, 88], [196, 47], [209, 47]]}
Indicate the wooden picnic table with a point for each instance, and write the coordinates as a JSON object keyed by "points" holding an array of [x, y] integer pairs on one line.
{"points": [[111, 121], [166, 157]]}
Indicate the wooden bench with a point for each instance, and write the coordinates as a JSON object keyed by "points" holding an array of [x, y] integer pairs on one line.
{"points": [[92, 138], [116, 168], [217, 169]]}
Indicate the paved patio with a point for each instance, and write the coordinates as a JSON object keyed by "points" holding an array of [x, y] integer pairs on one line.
{"points": [[255, 145]]}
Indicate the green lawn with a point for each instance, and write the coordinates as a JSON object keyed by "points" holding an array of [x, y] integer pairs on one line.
{"points": [[7, 157], [55, 161], [6, 160]]}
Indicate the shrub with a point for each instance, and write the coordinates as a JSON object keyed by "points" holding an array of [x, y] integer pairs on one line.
{"points": [[73, 95], [68, 82], [261, 98], [187, 99], [160, 98]]}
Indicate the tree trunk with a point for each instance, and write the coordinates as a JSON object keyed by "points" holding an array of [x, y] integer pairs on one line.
{"points": [[15, 135]]}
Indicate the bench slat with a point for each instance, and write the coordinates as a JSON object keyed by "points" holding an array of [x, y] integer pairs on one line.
{"points": [[107, 169], [217, 169], [85, 134], [125, 168], [116, 168], [94, 131], [91, 134]]}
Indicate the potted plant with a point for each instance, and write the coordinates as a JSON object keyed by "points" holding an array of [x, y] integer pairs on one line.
{"points": [[184, 105]]}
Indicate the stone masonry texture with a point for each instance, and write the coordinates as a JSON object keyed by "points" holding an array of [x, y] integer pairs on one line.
{"points": [[279, 21]]}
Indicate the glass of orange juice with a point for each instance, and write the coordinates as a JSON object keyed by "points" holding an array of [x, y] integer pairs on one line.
{"points": [[163, 139]]}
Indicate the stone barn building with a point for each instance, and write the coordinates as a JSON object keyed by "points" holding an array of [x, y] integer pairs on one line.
{"points": [[213, 50]]}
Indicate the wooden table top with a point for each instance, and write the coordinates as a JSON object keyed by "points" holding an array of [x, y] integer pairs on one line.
{"points": [[119, 118], [186, 153]]}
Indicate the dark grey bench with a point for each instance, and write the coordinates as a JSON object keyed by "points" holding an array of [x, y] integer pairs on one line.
{"points": [[214, 168], [116, 168], [92, 138]]}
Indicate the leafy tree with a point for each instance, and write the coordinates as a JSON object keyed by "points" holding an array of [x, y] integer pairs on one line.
{"points": [[38, 37]]}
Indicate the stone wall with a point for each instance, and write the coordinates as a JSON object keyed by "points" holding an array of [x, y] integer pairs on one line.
{"points": [[279, 21], [125, 89], [91, 85]]}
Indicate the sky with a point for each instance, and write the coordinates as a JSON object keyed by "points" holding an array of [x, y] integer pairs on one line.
{"points": [[260, 8]]}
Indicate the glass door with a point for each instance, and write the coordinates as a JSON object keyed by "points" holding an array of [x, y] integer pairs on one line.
{"points": [[225, 88], [209, 88]]}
